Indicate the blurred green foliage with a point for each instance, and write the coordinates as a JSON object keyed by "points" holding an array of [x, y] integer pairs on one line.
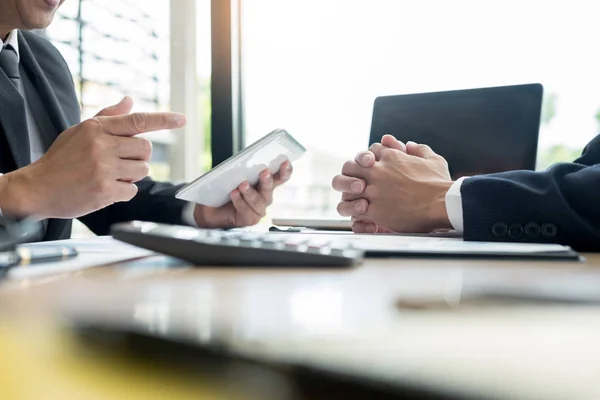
{"points": [[555, 154], [548, 108], [558, 153], [206, 111]]}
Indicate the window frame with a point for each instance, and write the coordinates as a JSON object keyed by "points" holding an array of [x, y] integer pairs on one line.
{"points": [[227, 115]]}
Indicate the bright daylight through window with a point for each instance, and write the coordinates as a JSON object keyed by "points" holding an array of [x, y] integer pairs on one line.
{"points": [[314, 67]]}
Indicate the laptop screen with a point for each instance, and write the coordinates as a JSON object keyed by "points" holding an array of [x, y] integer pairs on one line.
{"points": [[478, 131]]}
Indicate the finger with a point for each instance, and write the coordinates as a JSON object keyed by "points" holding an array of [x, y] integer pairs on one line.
{"points": [[379, 150], [347, 184], [352, 197], [122, 107], [387, 142], [393, 143], [376, 148], [284, 174], [247, 216], [134, 148], [364, 227], [133, 170], [125, 191], [365, 159], [255, 201], [136, 123], [353, 169], [266, 186], [353, 208], [420, 150]]}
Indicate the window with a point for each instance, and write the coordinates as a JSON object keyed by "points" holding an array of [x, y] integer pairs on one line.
{"points": [[123, 47], [314, 67], [117, 48]]}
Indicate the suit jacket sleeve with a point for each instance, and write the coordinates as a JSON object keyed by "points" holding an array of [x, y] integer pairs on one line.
{"points": [[155, 202], [559, 205]]}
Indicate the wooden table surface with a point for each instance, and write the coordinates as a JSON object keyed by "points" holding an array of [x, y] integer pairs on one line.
{"points": [[399, 320]]}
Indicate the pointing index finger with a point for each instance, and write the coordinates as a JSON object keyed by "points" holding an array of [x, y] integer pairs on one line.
{"points": [[136, 123]]}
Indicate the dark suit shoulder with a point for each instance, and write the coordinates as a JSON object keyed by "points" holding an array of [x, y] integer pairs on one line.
{"points": [[591, 153], [36, 49], [46, 54], [39, 42]]}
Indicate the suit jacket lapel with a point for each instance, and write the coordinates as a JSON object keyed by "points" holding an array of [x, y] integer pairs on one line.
{"points": [[14, 121], [56, 227]]}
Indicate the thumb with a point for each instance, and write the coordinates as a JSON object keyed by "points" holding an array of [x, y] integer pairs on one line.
{"points": [[393, 143], [420, 150], [122, 107]]}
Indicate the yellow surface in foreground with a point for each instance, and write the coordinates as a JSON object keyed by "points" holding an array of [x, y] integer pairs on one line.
{"points": [[39, 362]]}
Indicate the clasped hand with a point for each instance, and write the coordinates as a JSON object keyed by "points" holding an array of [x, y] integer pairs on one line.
{"points": [[393, 187]]}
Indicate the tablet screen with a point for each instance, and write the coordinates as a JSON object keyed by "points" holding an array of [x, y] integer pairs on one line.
{"points": [[214, 187]]}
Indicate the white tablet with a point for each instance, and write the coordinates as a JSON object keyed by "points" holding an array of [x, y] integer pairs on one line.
{"points": [[214, 187]]}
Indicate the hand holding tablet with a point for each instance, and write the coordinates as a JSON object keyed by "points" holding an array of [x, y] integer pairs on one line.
{"points": [[214, 187]]}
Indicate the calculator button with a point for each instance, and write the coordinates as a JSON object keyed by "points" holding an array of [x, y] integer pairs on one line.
{"points": [[338, 252], [269, 242], [248, 236], [229, 235], [318, 242], [325, 250], [295, 242], [318, 246]]}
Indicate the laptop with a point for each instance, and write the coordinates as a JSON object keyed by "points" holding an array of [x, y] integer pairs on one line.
{"points": [[478, 131]]}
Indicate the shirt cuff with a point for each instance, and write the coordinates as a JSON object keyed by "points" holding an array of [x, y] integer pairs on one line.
{"points": [[188, 215], [454, 205], [1, 213]]}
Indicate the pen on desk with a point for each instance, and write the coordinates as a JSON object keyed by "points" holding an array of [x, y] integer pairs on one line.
{"points": [[28, 255], [24, 256]]}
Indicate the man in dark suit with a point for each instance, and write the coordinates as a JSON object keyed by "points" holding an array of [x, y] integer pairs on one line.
{"points": [[55, 167], [407, 188]]}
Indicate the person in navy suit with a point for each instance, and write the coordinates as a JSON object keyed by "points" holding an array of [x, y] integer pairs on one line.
{"points": [[55, 167], [407, 188]]}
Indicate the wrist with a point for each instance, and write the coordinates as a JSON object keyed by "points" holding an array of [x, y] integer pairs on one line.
{"points": [[214, 218], [438, 214], [15, 199], [199, 216]]}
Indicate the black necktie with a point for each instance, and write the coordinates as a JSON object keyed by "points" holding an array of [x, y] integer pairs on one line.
{"points": [[9, 63]]}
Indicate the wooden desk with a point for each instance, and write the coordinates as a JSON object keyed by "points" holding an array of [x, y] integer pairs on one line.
{"points": [[347, 319]]}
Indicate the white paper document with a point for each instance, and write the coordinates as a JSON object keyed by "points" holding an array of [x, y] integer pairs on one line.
{"points": [[93, 252], [449, 245], [402, 244]]}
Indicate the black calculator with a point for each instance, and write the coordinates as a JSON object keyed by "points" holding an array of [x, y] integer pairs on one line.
{"points": [[204, 247]]}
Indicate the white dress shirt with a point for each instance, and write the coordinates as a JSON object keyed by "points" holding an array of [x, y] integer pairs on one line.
{"points": [[35, 139], [454, 205]]}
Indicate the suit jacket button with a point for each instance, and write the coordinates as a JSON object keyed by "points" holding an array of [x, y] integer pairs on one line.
{"points": [[549, 230], [533, 230], [515, 231], [499, 229]]}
